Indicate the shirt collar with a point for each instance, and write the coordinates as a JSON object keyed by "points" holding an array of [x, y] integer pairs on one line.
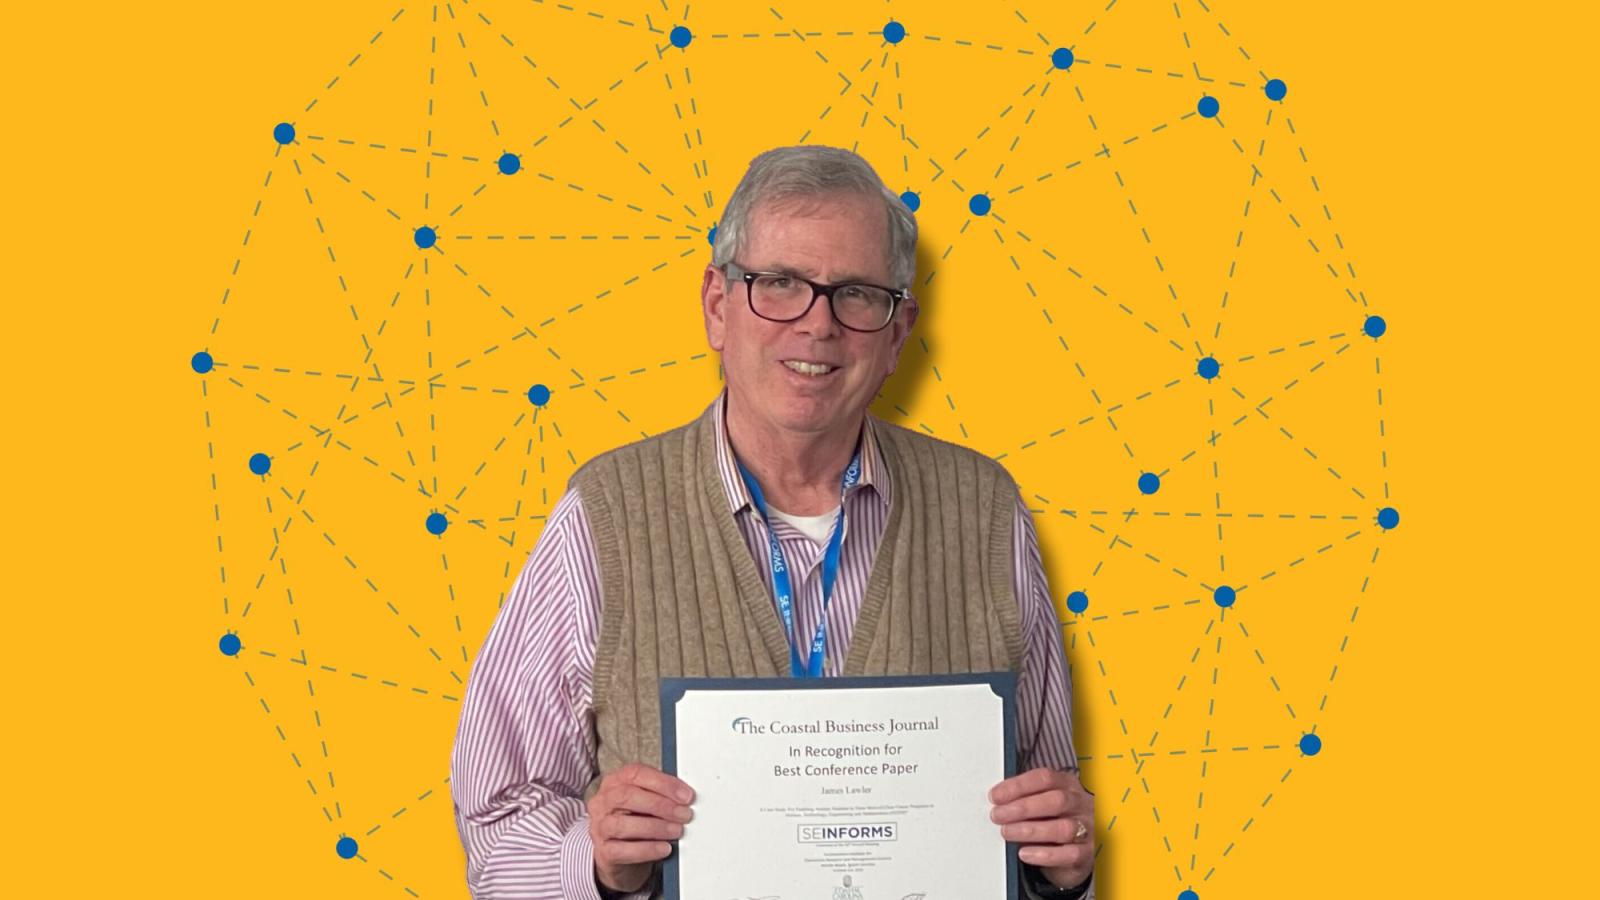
{"points": [[874, 474]]}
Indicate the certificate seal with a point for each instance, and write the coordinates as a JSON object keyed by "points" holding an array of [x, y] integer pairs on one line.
{"points": [[847, 891]]}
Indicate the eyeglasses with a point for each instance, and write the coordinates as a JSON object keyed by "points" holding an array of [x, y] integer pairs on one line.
{"points": [[779, 297]]}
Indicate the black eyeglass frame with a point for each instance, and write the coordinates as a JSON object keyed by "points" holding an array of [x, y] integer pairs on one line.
{"points": [[897, 296]]}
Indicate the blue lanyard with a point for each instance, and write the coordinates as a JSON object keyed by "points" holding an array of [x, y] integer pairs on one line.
{"points": [[783, 591]]}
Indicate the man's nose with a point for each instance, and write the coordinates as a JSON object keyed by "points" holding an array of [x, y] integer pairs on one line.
{"points": [[818, 320]]}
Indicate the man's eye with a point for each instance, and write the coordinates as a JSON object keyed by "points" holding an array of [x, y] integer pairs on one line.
{"points": [[853, 292], [778, 281]]}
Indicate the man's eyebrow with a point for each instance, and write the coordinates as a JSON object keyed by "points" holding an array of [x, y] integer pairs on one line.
{"points": [[848, 278], [783, 269], [858, 279]]}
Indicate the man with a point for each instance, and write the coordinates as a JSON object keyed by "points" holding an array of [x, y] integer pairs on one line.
{"points": [[655, 563]]}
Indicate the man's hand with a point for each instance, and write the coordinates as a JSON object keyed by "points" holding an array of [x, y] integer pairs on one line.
{"points": [[1041, 810], [633, 815]]}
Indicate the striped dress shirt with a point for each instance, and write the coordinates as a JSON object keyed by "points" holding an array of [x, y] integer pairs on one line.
{"points": [[525, 749]]}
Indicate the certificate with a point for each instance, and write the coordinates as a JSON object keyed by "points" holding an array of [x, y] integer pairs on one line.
{"points": [[840, 788]]}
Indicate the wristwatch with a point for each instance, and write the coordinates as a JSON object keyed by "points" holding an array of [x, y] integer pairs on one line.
{"points": [[1040, 887]]}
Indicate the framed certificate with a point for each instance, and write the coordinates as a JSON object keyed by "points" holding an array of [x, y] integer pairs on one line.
{"points": [[840, 788]]}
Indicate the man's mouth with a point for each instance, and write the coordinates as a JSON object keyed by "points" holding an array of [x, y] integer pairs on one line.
{"points": [[805, 367]]}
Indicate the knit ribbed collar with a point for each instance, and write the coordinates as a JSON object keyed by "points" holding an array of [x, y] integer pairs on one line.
{"points": [[874, 474]]}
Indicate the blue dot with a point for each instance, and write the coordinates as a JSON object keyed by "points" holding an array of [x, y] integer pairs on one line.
{"points": [[912, 200], [229, 645], [1374, 327], [1388, 517], [260, 463], [283, 133], [425, 237], [346, 848], [680, 37], [437, 523], [1188, 895], [1276, 89], [1310, 744], [201, 362], [711, 236], [538, 395], [1208, 107], [980, 204], [509, 163], [1208, 368], [1149, 483], [1062, 58], [1224, 596], [894, 32], [1077, 601]]}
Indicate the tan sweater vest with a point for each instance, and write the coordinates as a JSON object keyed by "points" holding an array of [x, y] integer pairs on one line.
{"points": [[681, 595]]}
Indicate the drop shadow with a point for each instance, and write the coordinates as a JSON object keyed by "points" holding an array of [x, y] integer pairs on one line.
{"points": [[910, 378]]}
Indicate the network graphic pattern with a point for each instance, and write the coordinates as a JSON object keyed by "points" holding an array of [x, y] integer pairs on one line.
{"points": [[473, 261]]}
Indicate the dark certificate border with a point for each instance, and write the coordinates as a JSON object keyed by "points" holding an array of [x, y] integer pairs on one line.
{"points": [[1004, 684]]}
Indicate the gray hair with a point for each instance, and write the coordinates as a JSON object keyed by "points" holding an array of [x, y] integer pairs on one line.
{"points": [[808, 172]]}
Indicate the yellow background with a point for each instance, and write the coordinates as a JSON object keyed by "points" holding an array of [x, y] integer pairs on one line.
{"points": [[1456, 150]]}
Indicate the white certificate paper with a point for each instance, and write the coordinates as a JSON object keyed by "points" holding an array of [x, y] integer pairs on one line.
{"points": [[840, 788]]}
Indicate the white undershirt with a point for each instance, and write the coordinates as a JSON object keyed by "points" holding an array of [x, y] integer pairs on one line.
{"points": [[817, 528]]}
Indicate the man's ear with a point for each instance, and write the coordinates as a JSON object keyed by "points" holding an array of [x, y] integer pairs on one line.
{"points": [[900, 329], [714, 304]]}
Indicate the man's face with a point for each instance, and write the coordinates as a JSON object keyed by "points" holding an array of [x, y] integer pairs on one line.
{"points": [[832, 239]]}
